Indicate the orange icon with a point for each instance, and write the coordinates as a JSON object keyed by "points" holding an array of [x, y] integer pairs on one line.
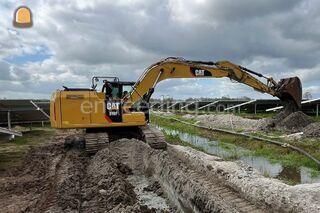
{"points": [[22, 17]]}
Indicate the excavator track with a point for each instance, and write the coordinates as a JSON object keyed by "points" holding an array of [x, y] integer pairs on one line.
{"points": [[95, 141], [153, 137]]}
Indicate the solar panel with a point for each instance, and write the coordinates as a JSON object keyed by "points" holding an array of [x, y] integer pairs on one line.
{"points": [[23, 111]]}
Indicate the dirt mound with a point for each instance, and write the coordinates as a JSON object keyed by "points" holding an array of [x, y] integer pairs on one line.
{"points": [[294, 122], [281, 115], [106, 187], [230, 121], [188, 116], [312, 130]]}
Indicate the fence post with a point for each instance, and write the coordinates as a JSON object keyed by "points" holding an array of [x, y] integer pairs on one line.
{"points": [[196, 108], [255, 108], [317, 110], [9, 119]]}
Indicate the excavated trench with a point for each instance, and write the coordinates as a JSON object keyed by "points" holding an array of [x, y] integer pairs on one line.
{"points": [[185, 186], [197, 182], [129, 176]]}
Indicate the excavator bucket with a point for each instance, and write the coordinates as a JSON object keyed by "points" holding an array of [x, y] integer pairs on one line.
{"points": [[290, 91]]}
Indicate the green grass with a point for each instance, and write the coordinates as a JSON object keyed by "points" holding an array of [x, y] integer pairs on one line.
{"points": [[12, 153], [258, 115], [226, 146], [317, 119], [32, 137], [273, 153]]}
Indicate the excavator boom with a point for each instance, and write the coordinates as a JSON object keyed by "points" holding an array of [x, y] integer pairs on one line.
{"points": [[288, 90]]}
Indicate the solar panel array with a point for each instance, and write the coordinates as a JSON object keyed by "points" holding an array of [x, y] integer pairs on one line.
{"points": [[311, 107], [23, 111]]}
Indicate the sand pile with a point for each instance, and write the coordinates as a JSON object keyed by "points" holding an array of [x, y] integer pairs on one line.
{"points": [[189, 116], [312, 130], [295, 122], [230, 121]]}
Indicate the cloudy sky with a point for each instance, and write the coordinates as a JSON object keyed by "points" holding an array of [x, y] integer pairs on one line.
{"points": [[71, 41]]}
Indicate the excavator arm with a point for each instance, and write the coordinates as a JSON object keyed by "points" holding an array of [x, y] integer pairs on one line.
{"points": [[288, 90]]}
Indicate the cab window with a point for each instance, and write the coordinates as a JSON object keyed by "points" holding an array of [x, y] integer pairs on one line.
{"points": [[115, 92], [127, 88]]}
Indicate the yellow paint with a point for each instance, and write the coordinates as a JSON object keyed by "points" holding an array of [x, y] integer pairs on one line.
{"points": [[22, 17], [134, 117], [168, 69], [55, 113], [86, 109]]}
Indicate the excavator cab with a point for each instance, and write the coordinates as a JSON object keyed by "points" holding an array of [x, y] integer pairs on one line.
{"points": [[113, 88], [114, 91], [117, 90]]}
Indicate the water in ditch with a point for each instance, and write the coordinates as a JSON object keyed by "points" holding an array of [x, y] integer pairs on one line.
{"points": [[147, 197], [232, 151]]}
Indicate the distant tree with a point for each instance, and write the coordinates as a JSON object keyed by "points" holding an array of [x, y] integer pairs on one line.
{"points": [[190, 99], [207, 99], [227, 97], [154, 99], [245, 98], [307, 95]]}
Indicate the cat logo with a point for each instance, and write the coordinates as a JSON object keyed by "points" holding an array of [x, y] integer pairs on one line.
{"points": [[113, 111], [113, 105], [22, 17], [199, 72]]}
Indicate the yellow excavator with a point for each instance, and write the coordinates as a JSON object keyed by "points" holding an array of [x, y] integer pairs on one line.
{"points": [[121, 109]]}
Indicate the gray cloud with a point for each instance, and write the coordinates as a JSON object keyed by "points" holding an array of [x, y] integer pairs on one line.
{"points": [[86, 38], [234, 11], [10, 72]]}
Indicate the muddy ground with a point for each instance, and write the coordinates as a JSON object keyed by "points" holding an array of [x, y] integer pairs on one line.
{"points": [[55, 179]]}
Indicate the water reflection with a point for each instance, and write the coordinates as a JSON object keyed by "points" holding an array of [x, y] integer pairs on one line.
{"points": [[263, 165], [232, 151]]}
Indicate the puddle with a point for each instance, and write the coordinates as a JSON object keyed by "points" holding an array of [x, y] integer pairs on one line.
{"points": [[232, 151], [147, 198]]}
